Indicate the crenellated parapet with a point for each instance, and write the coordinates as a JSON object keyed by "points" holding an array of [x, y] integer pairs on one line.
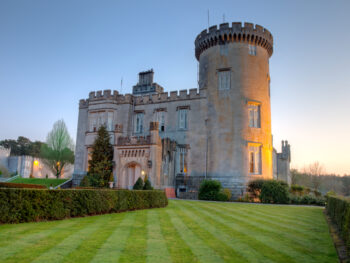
{"points": [[143, 99], [248, 33]]}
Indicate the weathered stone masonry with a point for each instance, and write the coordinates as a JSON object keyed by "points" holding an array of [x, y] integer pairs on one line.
{"points": [[220, 131]]}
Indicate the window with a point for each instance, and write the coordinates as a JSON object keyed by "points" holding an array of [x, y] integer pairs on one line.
{"points": [[110, 121], [252, 50], [224, 80], [254, 115], [183, 160], [182, 116], [93, 123], [254, 152], [138, 123], [224, 50], [160, 118]]}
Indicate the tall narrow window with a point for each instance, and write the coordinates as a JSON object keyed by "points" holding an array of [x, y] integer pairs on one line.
{"points": [[182, 116], [224, 79], [254, 115], [183, 160], [138, 123], [160, 118], [254, 159], [110, 121], [252, 50]]}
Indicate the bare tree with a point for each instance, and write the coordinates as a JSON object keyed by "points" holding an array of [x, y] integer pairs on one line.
{"points": [[58, 150], [315, 170]]}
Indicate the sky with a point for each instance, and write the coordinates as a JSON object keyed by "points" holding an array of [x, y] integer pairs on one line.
{"points": [[53, 53]]}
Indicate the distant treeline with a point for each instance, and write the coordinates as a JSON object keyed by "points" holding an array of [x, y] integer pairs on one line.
{"points": [[322, 182], [23, 146]]}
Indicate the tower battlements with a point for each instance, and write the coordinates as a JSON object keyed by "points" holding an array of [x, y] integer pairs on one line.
{"points": [[248, 33], [143, 99]]}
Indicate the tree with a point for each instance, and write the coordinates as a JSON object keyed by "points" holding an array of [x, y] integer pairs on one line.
{"points": [[58, 150], [147, 185], [139, 184], [315, 170], [22, 146], [101, 163]]}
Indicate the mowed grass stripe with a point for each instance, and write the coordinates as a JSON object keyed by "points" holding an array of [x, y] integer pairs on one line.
{"points": [[112, 248], [17, 246], [233, 240], [247, 246], [293, 238], [289, 248], [136, 245], [69, 244], [157, 250], [212, 239], [263, 248], [40, 247], [300, 235], [198, 247], [88, 249], [178, 249]]}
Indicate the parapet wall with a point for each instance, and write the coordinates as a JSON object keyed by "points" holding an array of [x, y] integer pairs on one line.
{"points": [[249, 33], [144, 99]]}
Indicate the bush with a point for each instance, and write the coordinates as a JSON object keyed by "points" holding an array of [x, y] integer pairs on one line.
{"points": [[210, 190], [307, 200], [297, 189], [4, 172], [274, 192], [228, 194], [254, 188], [27, 205], [338, 208], [147, 185], [14, 185], [139, 184]]}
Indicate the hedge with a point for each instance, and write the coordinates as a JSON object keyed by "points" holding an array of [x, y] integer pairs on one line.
{"points": [[20, 185], [27, 205], [338, 208]]}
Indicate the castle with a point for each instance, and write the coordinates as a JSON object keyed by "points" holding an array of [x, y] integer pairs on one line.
{"points": [[221, 131]]}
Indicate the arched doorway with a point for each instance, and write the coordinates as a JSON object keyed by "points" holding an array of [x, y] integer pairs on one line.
{"points": [[130, 174]]}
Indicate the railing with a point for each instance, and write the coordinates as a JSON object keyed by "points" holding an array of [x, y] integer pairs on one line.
{"points": [[9, 179], [65, 185]]}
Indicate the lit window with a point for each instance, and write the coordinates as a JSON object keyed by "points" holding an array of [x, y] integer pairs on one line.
{"points": [[254, 115], [254, 156], [138, 125], [252, 50], [183, 160], [224, 80], [182, 116], [160, 118]]}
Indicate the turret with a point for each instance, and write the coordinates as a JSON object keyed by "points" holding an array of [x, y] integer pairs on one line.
{"points": [[234, 71]]}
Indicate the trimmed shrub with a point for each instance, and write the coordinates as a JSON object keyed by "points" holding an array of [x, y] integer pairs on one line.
{"points": [[209, 190], [274, 192], [338, 208], [27, 205], [15, 185], [139, 184], [147, 185], [297, 189], [254, 188], [307, 200]]}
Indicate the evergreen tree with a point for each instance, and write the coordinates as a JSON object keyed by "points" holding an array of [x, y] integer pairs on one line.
{"points": [[139, 184], [101, 163], [147, 185]]}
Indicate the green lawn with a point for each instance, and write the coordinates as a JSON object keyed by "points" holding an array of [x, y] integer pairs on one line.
{"points": [[42, 181], [185, 231]]}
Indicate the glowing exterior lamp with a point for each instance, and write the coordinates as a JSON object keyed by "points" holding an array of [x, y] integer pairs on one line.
{"points": [[142, 172], [36, 163]]}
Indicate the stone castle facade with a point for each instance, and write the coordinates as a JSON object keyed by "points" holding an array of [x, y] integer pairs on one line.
{"points": [[221, 131]]}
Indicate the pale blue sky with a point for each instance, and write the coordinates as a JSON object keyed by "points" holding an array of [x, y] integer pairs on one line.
{"points": [[53, 53]]}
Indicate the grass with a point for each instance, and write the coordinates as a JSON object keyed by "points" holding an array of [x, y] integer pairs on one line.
{"points": [[185, 231], [42, 181]]}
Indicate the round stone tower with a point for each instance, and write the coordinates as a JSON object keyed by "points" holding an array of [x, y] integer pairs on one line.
{"points": [[234, 71]]}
